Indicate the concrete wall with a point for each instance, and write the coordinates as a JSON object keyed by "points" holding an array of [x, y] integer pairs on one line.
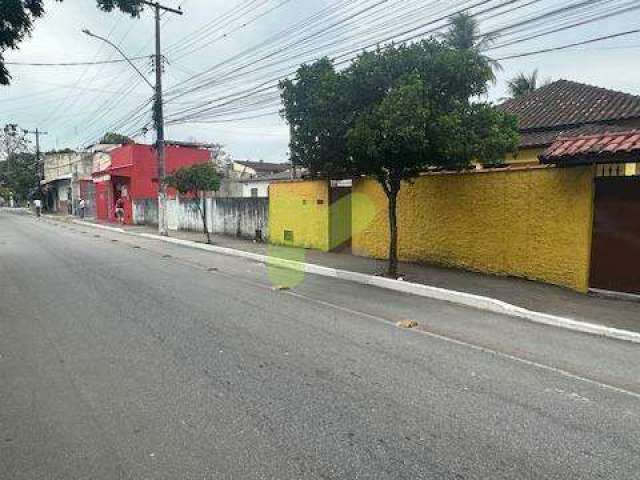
{"points": [[145, 212], [302, 208], [532, 223], [67, 164], [261, 186], [240, 217]]}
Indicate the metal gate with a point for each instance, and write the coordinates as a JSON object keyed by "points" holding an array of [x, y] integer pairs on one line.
{"points": [[615, 254], [340, 217]]}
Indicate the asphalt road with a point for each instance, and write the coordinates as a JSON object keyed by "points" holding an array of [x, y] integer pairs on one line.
{"points": [[124, 358]]}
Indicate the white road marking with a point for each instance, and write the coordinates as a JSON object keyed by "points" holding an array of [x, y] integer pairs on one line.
{"points": [[472, 346], [444, 338]]}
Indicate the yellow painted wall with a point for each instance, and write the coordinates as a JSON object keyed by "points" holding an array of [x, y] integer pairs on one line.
{"points": [[303, 208], [532, 223]]}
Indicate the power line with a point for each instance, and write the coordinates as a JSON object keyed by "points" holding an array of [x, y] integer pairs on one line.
{"points": [[570, 45], [73, 64]]}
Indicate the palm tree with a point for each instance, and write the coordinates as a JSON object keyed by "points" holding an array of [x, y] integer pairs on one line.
{"points": [[523, 84], [463, 33]]}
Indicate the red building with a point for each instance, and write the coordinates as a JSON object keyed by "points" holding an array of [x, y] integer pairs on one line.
{"points": [[130, 172]]}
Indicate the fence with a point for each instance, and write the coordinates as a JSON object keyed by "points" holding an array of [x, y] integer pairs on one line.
{"points": [[239, 217]]}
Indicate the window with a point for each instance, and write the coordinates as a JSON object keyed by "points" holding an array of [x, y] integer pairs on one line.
{"points": [[288, 235], [254, 192]]}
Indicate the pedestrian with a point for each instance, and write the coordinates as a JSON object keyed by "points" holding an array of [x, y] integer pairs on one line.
{"points": [[120, 210], [38, 205], [81, 207]]}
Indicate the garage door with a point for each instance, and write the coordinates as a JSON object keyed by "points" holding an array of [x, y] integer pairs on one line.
{"points": [[615, 263]]}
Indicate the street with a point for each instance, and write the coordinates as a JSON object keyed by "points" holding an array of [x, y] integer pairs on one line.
{"points": [[127, 358]]}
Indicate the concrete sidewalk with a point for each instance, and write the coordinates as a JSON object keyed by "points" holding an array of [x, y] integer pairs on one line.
{"points": [[548, 299]]}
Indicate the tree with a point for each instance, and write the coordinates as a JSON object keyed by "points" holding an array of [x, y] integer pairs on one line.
{"points": [[19, 175], [12, 140], [196, 180], [406, 109], [523, 84], [113, 138], [464, 34], [311, 107], [18, 16]]}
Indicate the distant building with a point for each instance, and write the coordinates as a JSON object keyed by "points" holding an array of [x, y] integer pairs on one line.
{"points": [[130, 172], [258, 187], [244, 178], [67, 176]]}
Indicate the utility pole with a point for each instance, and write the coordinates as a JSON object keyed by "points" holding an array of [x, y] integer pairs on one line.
{"points": [[40, 164], [158, 110], [158, 116]]}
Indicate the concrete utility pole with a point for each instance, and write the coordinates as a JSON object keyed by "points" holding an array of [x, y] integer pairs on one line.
{"points": [[158, 116], [158, 110]]}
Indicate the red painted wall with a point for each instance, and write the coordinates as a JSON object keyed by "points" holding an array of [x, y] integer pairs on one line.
{"points": [[136, 167], [103, 200], [144, 169]]}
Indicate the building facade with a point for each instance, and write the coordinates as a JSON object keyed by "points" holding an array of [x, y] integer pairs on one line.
{"points": [[67, 178], [130, 172]]}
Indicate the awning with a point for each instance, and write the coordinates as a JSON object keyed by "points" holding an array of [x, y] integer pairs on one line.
{"points": [[609, 147], [123, 171]]}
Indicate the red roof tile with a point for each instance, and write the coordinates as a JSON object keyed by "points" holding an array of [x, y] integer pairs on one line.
{"points": [[564, 103], [603, 148]]}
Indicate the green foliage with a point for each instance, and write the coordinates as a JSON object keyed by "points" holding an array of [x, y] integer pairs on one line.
{"points": [[19, 174], [5, 193], [17, 18], [132, 7], [12, 140], [113, 138], [523, 84], [395, 113], [194, 179], [312, 104], [464, 34]]}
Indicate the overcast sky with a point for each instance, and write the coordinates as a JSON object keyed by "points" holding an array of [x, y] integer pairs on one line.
{"points": [[76, 104]]}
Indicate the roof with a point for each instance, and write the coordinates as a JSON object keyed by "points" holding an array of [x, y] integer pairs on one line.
{"points": [[544, 138], [268, 178], [565, 103], [265, 167], [616, 147], [178, 143]]}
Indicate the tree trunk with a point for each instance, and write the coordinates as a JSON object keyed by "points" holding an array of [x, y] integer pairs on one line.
{"points": [[203, 212], [392, 269]]}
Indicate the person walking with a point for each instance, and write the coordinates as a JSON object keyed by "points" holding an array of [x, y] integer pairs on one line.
{"points": [[120, 210], [38, 206], [82, 205]]}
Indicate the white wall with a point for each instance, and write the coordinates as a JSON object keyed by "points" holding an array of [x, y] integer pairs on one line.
{"points": [[263, 189], [241, 217]]}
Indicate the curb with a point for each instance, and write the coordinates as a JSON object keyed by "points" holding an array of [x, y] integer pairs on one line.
{"points": [[103, 227], [487, 304]]}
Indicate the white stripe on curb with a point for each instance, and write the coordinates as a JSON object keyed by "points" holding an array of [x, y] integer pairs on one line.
{"points": [[460, 298]]}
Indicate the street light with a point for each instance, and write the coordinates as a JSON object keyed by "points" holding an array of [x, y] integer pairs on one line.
{"points": [[158, 118], [109, 42]]}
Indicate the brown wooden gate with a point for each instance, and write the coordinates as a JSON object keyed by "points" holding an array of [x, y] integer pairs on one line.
{"points": [[615, 255]]}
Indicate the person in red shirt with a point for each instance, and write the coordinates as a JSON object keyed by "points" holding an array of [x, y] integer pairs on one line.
{"points": [[120, 210]]}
